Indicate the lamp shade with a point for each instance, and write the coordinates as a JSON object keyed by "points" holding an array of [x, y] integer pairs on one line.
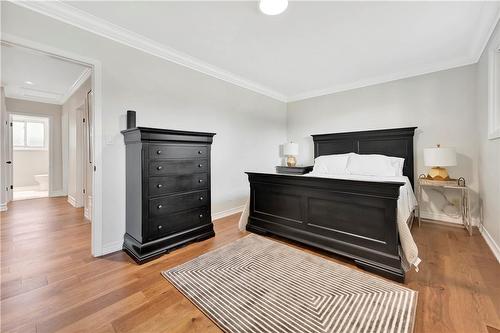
{"points": [[440, 157], [291, 149]]}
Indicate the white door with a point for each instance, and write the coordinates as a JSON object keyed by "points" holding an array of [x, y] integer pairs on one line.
{"points": [[10, 157], [87, 158]]}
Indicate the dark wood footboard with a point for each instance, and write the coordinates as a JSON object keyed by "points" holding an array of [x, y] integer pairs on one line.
{"points": [[357, 219]]}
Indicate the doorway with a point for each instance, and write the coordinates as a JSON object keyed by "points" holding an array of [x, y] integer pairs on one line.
{"points": [[91, 175], [30, 156]]}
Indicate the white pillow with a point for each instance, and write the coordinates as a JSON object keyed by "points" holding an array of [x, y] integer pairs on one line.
{"points": [[374, 165], [331, 164], [398, 163]]}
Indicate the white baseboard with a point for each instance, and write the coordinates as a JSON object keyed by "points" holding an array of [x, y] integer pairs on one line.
{"points": [[112, 247], [72, 201], [440, 217], [3, 207], [227, 212], [87, 212], [117, 246], [58, 193], [490, 241], [445, 218]]}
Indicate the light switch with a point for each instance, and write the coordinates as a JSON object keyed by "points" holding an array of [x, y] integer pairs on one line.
{"points": [[108, 140]]}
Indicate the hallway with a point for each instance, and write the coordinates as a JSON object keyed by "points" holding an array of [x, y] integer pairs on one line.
{"points": [[33, 232]]}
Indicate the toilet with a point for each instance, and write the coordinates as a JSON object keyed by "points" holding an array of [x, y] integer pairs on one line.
{"points": [[43, 182]]}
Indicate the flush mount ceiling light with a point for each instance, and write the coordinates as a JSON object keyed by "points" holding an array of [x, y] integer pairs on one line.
{"points": [[29, 83], [273, 7]]}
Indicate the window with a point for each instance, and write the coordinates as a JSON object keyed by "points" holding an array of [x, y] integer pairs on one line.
{"points": [[494, 94], [29, 133]]}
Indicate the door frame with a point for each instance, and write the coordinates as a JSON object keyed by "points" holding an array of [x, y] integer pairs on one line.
{"points": [[87, 163], [10, 158], [83, 172], [96, 77], [79, 111], [50, 122]]}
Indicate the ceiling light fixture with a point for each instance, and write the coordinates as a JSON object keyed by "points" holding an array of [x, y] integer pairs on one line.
{"points": [[273, 7], [29, 82]]}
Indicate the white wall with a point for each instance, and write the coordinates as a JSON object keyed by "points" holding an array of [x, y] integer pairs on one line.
{"points": [[27, 164], [72, 145], [441, 104], [489, 153], [52, 111], [249, 126]]}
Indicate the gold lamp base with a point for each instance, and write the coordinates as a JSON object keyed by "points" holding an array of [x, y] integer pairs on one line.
{"points": [[438, 173], [290, 161]]}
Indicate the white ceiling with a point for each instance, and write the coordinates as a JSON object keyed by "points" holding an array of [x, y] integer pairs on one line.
{"points": [[313, 48], [54, 79]]}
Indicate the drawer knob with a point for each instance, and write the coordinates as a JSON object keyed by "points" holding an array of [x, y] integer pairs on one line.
{"points": [[200, 180], [158, 152], [200, 216], [159, 185], [160, 206], [200, 152], [159, 227], [201, 198], [159, 167], [200, 165]]}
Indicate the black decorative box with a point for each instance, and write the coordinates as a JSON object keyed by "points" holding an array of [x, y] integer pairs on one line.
{"points": [[296, 170]]}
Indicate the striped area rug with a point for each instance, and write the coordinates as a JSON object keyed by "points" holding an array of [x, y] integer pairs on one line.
{"points": [[258, 285]]}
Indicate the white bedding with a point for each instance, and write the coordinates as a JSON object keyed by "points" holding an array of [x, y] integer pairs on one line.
{"points": [[406, 205]]}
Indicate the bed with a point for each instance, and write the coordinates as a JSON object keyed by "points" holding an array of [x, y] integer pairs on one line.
{"points": [[356, 218]]}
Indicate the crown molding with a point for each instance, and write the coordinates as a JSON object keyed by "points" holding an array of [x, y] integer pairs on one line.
{"points": [[14, 93], [33, 99], [73, 16], [76, 85], [83, 20], [484, 30], [422, 70], [17, 93]]}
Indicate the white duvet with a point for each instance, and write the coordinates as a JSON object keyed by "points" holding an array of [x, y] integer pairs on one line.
{"points": [[406, 205]]}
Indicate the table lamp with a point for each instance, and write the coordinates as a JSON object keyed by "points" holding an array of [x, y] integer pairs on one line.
{"points": [[291, 150], [438, 158]]}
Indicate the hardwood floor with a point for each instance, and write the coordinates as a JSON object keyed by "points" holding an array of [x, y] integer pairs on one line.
{"points": [[50, 282]]}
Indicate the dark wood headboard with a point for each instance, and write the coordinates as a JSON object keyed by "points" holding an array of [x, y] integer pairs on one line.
{"points": [[396, 142]]}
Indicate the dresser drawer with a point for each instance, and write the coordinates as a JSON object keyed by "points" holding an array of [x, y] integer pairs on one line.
{"points": [[173, 184], [174, 203], [160, 168], [177, 151], [172, 223]]}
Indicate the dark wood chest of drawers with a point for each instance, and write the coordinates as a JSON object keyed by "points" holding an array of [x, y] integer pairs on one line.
{"points": [[168, 190]]}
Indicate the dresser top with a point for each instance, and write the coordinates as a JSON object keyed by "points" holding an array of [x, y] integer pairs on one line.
{"points": [[158, 134]]}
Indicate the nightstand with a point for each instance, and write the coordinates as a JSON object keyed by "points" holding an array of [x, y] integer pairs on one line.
{"points": [[451, 184], [296, 170]]}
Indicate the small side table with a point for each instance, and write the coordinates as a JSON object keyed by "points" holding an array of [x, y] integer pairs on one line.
{"points": [[451, 184], [296, 170]]}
